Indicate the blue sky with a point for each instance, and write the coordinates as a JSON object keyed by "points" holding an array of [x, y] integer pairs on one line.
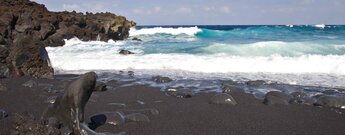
{"points": [[212, 12]]}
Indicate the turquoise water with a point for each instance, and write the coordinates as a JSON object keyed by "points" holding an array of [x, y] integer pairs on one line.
{"points": [[245, 40]]}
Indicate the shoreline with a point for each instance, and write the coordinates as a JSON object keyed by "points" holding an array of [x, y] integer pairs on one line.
{"points": [[173, 115]]}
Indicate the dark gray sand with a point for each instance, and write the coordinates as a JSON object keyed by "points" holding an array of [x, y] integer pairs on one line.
{"points": [[172, 115]]}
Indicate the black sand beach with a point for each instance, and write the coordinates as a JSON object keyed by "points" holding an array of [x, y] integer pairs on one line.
{"points": [[172, 115]]}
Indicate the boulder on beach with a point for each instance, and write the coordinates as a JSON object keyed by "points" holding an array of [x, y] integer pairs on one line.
{"points": [[125, 52], [331, 101], [27, 27], [302, 98], [276, 97], [230, 86], [161, 79], [223, 98]]}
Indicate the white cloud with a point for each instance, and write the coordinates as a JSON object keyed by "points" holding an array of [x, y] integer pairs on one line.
{"points": [[184, 10], [157, 9], [225, 9], [70, 7]]}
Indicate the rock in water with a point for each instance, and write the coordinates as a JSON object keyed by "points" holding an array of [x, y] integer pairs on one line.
{"points": [[100, 86], [223, 98], [331, 101], [276, 97], [68, 109], [137, 39], [125, 52], [160, 79]]}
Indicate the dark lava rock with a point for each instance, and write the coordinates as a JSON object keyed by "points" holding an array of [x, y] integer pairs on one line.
{"points": [[125, 52], [100, 86], [331, 101], [180, 92], [3, 114], [223, 98], [160, 79], [137, 117], [302, 98], [137, 39], [231, 86], [276, 97], [30, 83], [26, 28], [112, 118]]}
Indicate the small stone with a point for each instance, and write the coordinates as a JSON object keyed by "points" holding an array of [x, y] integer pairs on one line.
{"points": [[3, 114], [113, 118], [51, 99], [331, 101], [160, 79], [276, 97], [2, 88], [126, 52], [137, 117], [117, 104], [100, 86], [180, 93], [223, 98], [258, 82], [30, 84]]}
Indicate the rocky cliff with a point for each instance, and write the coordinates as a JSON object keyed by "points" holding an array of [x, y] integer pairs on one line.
{"points": [[26, 28]]}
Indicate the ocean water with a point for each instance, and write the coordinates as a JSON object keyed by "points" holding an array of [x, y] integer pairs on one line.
{"points": [[201, 56]]}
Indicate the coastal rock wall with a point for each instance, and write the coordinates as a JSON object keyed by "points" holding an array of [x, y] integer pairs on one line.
{"points": [[26, 28]]}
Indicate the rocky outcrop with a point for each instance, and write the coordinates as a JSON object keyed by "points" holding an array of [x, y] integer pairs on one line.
{"points": [[26, 28]]}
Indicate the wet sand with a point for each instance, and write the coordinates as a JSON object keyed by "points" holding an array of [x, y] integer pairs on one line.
{"points": [[171, 115]]}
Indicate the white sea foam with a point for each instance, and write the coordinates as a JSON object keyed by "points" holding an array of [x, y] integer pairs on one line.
{"points": [[77, 56], [268, 48], [321, 26], [191, 31]]}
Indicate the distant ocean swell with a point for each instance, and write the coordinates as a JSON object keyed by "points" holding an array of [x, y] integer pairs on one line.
{"points": [[214, 52]]}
